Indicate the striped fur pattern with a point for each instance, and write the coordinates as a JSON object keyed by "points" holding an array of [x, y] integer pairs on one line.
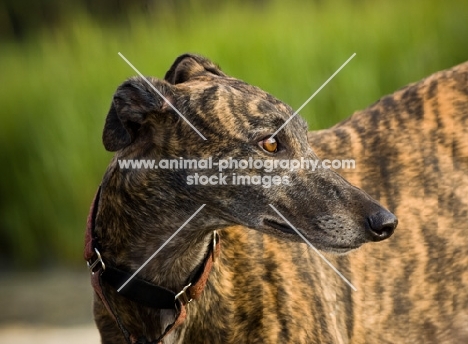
{"points": [[411, 151], [268, 286]]}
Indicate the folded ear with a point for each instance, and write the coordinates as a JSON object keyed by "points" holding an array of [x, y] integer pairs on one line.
{"points": [[132, 103], [189, 66]]}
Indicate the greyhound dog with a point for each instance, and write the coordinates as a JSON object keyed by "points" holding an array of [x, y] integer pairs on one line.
{"points": [[261, 284]]}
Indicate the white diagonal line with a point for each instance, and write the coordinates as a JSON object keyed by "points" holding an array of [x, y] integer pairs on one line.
{"points": [[160, 94], [159, 249], [312, 96], [316, 251]]}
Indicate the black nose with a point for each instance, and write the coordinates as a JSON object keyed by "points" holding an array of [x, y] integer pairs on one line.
{"points": [[381, 225]]}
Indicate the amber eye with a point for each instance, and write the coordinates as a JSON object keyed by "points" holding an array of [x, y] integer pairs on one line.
{"points": [[269, 144]]}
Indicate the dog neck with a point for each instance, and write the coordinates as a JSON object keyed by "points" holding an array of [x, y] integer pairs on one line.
{"points": [[179, 263], [136, 219]]}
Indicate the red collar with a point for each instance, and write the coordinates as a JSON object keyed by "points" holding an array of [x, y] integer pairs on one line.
{"points": [[139, 290]]}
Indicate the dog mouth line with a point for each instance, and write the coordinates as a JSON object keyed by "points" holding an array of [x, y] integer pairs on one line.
{"points": [[329, 247], [279, 226]]}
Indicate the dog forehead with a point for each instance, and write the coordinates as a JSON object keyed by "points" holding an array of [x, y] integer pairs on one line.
{"points": [[231, 103], [215, 94], [224, 86]]}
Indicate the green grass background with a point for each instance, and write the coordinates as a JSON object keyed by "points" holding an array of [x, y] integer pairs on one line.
{"points": [[57, 84]]}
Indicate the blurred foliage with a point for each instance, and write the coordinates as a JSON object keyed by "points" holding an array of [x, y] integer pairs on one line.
{"points": [[58, 79]]}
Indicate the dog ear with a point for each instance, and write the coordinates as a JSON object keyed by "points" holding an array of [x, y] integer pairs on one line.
{"points": [[132, 103], [189, 66]]}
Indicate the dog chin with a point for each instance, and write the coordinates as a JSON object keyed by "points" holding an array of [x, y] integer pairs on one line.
{"points": [[340, 251]]}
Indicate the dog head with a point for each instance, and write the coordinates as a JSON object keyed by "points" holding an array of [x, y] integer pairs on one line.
{"points": [[219, 129]]}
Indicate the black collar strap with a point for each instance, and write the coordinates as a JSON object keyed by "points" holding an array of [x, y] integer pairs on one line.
{"points": [[140, 290]]}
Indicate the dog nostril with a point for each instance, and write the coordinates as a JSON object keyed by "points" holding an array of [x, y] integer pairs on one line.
{"points": [[381, 225]]}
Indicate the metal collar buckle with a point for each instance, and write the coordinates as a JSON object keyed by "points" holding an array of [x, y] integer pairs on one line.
{"points": [[91, 266], [183, 296]]}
